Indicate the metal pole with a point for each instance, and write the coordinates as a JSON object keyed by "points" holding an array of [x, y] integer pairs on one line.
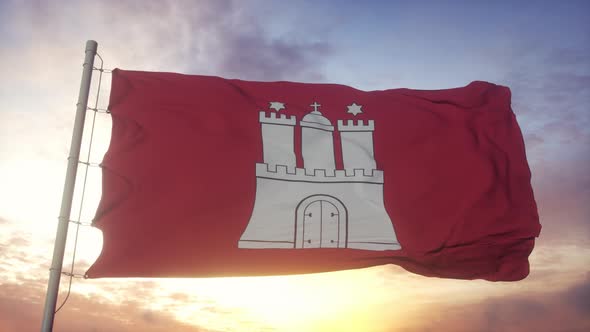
{"points": [[68, 192]]}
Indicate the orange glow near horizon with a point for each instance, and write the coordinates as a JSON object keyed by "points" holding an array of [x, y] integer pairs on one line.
{"points": [[354, 300], [340, 301]]}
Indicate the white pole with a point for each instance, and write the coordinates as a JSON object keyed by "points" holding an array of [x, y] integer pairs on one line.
{"points": [[68, 192]]}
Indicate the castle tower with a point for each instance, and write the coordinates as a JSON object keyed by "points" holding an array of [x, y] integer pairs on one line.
{"points": [[278, 139], [357, 144], [317, 141]]}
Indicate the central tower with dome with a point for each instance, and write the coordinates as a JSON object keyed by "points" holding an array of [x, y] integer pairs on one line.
{"points": [[317, 140], [318, 206]]}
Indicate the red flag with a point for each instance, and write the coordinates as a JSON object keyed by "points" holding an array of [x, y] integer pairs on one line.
{"points": [[208, 176]]}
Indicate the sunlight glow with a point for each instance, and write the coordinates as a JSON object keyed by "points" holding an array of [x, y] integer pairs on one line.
{"points": [[341, 301]]}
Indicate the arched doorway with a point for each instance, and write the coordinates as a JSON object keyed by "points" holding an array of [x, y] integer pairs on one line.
{"points": [[322, 222]]}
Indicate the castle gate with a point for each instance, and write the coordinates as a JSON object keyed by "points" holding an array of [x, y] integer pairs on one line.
{"points": [[321, 223]]}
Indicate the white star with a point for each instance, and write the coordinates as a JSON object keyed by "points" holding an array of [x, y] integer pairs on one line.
{"points": [[277, 106], [354, 109]]}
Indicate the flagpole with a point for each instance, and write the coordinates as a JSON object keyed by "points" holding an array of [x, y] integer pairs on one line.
{"points": [[68, 191]]}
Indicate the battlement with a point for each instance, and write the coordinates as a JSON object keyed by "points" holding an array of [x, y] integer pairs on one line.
{"points": [[273, 119], [359, 126], [289, 173]]}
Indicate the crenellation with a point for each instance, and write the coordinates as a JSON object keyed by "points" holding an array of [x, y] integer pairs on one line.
{"points": [[363, 172], [284, 169], [340, 173], [377, 173], [282, 172], [263, 168], [329, 172], [325, 173], [281, 169], [272, 118], [360, 125]]}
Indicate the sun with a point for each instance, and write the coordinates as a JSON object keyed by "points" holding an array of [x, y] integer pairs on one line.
{"points": [[336, 301]]}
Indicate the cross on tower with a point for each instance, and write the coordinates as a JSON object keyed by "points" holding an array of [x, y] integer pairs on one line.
{"points": [[315, 106]]}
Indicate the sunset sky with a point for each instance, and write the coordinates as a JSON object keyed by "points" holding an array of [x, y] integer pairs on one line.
{"points": [[540, 49]]}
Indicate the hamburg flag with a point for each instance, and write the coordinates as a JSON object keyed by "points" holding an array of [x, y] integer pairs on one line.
{"points": [[208, 177]]}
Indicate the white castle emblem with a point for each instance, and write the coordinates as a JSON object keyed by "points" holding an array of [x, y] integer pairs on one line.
{"points": [[318, 206]]}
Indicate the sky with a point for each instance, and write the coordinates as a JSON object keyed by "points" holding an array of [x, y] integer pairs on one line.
{"points": [[540, 49]]}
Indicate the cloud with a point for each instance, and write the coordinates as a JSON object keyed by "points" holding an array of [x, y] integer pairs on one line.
{"points": [[579, 297], [533, 140], [550, 84], [568, 57], [21, 309], [262, 59], [208, 37], [551, 89], [18, 241], [13, 246], [522, 311], [562, 190]]}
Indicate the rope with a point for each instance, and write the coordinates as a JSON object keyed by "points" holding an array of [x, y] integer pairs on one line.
{"points": [[101, 69], [99, 110], [77, 222], [88, 164]]}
